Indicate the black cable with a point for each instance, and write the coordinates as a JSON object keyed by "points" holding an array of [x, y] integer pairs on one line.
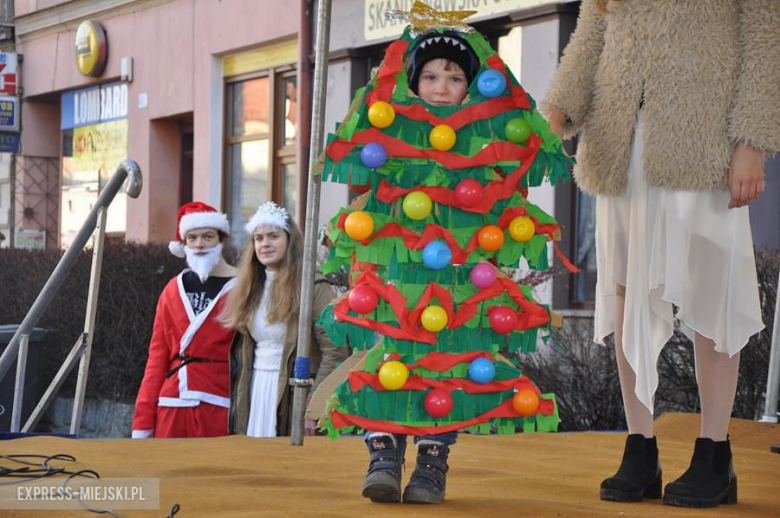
{"points": [[43, 469]]}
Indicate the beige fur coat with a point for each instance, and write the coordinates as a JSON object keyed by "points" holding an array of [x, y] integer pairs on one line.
{"points": [[708, 72]]}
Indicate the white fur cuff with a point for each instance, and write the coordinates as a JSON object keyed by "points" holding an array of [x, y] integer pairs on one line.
{"points": [[203, 220]]}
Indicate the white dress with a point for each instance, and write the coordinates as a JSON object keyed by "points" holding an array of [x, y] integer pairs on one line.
{"points": [[682, 248], [269, 343]]}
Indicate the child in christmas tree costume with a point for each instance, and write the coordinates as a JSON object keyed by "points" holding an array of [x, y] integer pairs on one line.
{"points": [[440, 143]]}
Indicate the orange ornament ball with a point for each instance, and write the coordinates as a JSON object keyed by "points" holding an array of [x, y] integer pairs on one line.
{"points": [[490, 238], [525, 402], [359, 225]]}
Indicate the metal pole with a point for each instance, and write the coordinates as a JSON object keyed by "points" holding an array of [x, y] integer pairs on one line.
{"points": [[300, 379], [21, 370], [127, 168], [89, 323], [773, 372]]}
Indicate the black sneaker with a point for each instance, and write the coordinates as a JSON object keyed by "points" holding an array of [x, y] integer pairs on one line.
{"points": [[383, 480], [429, 479]]}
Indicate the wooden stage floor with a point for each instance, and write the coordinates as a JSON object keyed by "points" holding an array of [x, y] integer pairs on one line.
{"points": [[495, 476]]}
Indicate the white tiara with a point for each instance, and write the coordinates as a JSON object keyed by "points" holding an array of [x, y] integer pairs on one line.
{"points": [[269, 214]]}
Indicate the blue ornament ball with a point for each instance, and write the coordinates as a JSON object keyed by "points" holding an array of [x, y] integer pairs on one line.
{"points": [[491, 83], [482, 370], [373, 155], [436, 255]]}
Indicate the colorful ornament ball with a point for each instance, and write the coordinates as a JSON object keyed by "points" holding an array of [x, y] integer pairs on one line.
{"points": [[503, 319], [490, 238], [373, 155], [359, 225], [393, 375], [438, 403], [469, 193], [482, 370], [436, 255], [525, 402], [434, 319], [522, 229], [483, 275], [517, 130], [362, 299], [417, 205], [491, 83], [442, 137], [381, 114]]}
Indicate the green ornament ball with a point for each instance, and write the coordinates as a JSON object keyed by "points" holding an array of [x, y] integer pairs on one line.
{"points": [[517, 130]]}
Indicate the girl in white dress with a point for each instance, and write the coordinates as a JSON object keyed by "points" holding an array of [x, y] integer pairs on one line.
{"points": [[677, 102], [264, 309]]}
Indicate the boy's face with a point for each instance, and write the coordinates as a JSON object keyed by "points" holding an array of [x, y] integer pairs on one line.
{"points": [[442, 83]]}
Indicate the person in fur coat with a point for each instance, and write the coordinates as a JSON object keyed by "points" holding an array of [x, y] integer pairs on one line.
{"points": [[677, 103]]}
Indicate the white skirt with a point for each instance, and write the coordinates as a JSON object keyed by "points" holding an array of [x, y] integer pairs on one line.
{"points": [[682, 248], [262, 411]]}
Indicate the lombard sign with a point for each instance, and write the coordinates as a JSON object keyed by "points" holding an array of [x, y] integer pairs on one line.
{"points": [[376, 26], [94, 105]]}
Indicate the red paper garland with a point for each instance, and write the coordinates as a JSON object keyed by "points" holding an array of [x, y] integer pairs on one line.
{"points": [[532, 315], [493, 191], [358, 380], [505, 409], [498, 151]]}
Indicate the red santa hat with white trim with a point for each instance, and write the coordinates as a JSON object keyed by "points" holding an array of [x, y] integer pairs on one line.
{"points": [[196, 215]]}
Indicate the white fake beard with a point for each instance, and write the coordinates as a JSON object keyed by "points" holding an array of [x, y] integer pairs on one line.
{"points": [[203, 265]]}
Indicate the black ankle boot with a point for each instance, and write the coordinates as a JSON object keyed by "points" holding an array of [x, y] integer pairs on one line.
{"points": [[383, 480], [639, 475], [710, 479], [429, 479]]}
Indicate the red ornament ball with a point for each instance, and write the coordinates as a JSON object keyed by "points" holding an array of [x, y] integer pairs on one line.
{"points": [[438, 403], [362, 299], [503, 319], [469, 193], [525, 402]]}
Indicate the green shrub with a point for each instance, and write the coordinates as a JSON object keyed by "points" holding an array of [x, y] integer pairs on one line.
{"points": [[133, 276]]}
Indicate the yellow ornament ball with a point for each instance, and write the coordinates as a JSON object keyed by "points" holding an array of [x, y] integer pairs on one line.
{"points": [[442, 137], [417, 205], [381, 114], [434, 319], [359, 225], [393, 375], [522, 229]]}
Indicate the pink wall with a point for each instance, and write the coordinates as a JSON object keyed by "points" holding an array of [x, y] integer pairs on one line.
{"points": [[176, 47]]}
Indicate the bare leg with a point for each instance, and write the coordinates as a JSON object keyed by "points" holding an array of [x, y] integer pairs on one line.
{"points": [[716, 375], [638, 416]]}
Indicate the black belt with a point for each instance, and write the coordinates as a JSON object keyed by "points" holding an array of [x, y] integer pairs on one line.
{"points": [[189, 359]]}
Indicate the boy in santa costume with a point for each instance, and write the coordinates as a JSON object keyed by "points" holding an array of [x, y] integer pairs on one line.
{"points": [[185, 390]]}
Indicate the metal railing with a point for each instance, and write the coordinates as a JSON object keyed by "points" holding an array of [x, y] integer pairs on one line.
{"points": [[773, 370], [96, 220]]}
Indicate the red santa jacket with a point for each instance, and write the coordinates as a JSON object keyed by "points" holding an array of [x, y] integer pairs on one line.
{"points": [[178, 334]]}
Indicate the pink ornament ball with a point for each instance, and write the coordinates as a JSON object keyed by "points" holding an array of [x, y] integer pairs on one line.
{"points": [[483, 275]]}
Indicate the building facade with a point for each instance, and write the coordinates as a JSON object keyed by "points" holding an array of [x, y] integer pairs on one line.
{"points": [[203, 94], [213, 100]]}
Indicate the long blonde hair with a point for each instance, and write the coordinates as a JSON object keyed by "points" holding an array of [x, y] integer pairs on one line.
{"points": [[244, 298], [602, 5]]}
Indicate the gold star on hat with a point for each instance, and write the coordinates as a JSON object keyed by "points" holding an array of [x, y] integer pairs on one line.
{"points": [[424, 18]]}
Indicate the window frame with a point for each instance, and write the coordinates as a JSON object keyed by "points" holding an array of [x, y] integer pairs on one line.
{"points": [[277, 154]]}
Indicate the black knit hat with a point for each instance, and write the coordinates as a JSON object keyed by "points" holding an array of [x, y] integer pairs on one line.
{"points": [[448, 45]]}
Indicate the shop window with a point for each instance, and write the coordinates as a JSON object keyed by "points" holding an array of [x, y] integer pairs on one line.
{"points": [[261, 131]]}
